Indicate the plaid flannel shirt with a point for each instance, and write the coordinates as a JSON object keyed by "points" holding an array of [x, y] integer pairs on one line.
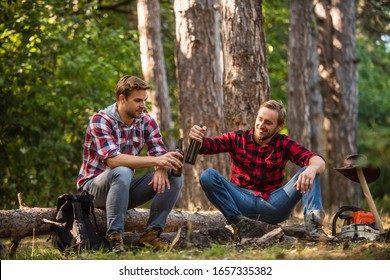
{"points": [[254, 167], [107, 136]]}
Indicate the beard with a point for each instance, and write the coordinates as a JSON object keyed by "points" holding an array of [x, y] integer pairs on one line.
{"points": [[263, 135], [134, 114]]}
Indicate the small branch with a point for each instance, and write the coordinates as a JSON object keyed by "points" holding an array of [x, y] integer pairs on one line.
{"points": [[176, 239], [46, 221], [22, 205]]}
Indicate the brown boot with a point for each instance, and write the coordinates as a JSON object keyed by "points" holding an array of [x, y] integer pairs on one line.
{"points": [[250, 228], [116, 242], [151, 238]]}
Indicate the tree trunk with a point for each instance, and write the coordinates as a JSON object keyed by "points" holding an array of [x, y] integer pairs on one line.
{"points": [[245, 78], [153, 65], [303, 80], [24, 222], [199, 78], [338, 74], [305, 106]]}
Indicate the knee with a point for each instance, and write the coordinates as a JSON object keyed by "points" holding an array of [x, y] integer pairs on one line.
{"points": [[207, 176], [121, 175], [176, 182]]}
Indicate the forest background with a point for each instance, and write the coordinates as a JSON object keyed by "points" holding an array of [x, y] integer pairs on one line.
{"points": [[60, 62]]}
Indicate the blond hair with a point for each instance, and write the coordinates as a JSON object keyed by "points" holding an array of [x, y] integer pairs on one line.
{"points": [[277, 106]]}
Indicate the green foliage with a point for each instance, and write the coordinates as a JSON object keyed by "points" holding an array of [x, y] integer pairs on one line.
{"points": [[60, 66], [276, 24], [374, 105]]}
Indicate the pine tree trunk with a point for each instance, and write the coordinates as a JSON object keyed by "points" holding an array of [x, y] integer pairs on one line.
{"points": [[199, 78], [153, 64], [305, 106], [245, 78], [303, 76], [338, 74]]}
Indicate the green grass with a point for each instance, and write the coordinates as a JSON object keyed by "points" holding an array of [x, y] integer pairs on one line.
{"points": [[39, 249]]}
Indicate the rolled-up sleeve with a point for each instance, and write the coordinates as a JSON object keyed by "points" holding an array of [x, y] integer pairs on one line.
{"points": [[154, 140], [297, 153]]}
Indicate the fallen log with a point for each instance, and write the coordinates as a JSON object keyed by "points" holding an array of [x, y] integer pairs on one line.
{"points": [[28, 221], [183, 229]]}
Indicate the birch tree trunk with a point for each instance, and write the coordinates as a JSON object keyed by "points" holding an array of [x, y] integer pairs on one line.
{"points": [[245, 77], [199, 78], [338, 74], [153, 65]]}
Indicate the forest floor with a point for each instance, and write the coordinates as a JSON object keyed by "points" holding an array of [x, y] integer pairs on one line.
{"points": [[39, 248]]}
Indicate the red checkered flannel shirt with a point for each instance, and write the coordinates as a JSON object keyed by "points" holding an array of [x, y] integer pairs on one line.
{"points": [[257, 168], [107, 136]]}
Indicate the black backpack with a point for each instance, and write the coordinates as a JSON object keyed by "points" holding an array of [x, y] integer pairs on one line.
{"points": [[72, 229]]}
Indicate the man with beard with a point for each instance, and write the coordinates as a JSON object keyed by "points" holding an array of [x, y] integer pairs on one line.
{"points": [[114, 139], [256, 197]]}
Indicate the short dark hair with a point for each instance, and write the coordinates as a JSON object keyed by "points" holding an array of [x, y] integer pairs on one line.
{"points": [[277, 106], [127, 84]]}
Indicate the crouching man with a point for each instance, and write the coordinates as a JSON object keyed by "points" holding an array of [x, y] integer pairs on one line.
{"points": [[256, 197]]}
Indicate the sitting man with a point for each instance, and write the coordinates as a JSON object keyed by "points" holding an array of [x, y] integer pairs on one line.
{"points": [[114, 139], [256, 196]]}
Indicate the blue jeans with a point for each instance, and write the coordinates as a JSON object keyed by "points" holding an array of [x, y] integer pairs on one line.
{"points": [[117, 190], [232, 200]]}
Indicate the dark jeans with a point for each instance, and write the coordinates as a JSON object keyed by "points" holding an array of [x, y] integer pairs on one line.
{"points": [[232, 200]]}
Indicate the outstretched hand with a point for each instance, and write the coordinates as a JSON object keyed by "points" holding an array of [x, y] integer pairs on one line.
{"points": [[197, 133]]}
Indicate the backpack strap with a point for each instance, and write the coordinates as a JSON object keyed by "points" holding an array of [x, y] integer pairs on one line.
{"points": [[94, 218], [91, 208]]}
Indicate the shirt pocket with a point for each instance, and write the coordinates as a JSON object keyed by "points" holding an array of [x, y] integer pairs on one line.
{"points": [[122, 140], [137, 144], [273, 159], [123, 144]]}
